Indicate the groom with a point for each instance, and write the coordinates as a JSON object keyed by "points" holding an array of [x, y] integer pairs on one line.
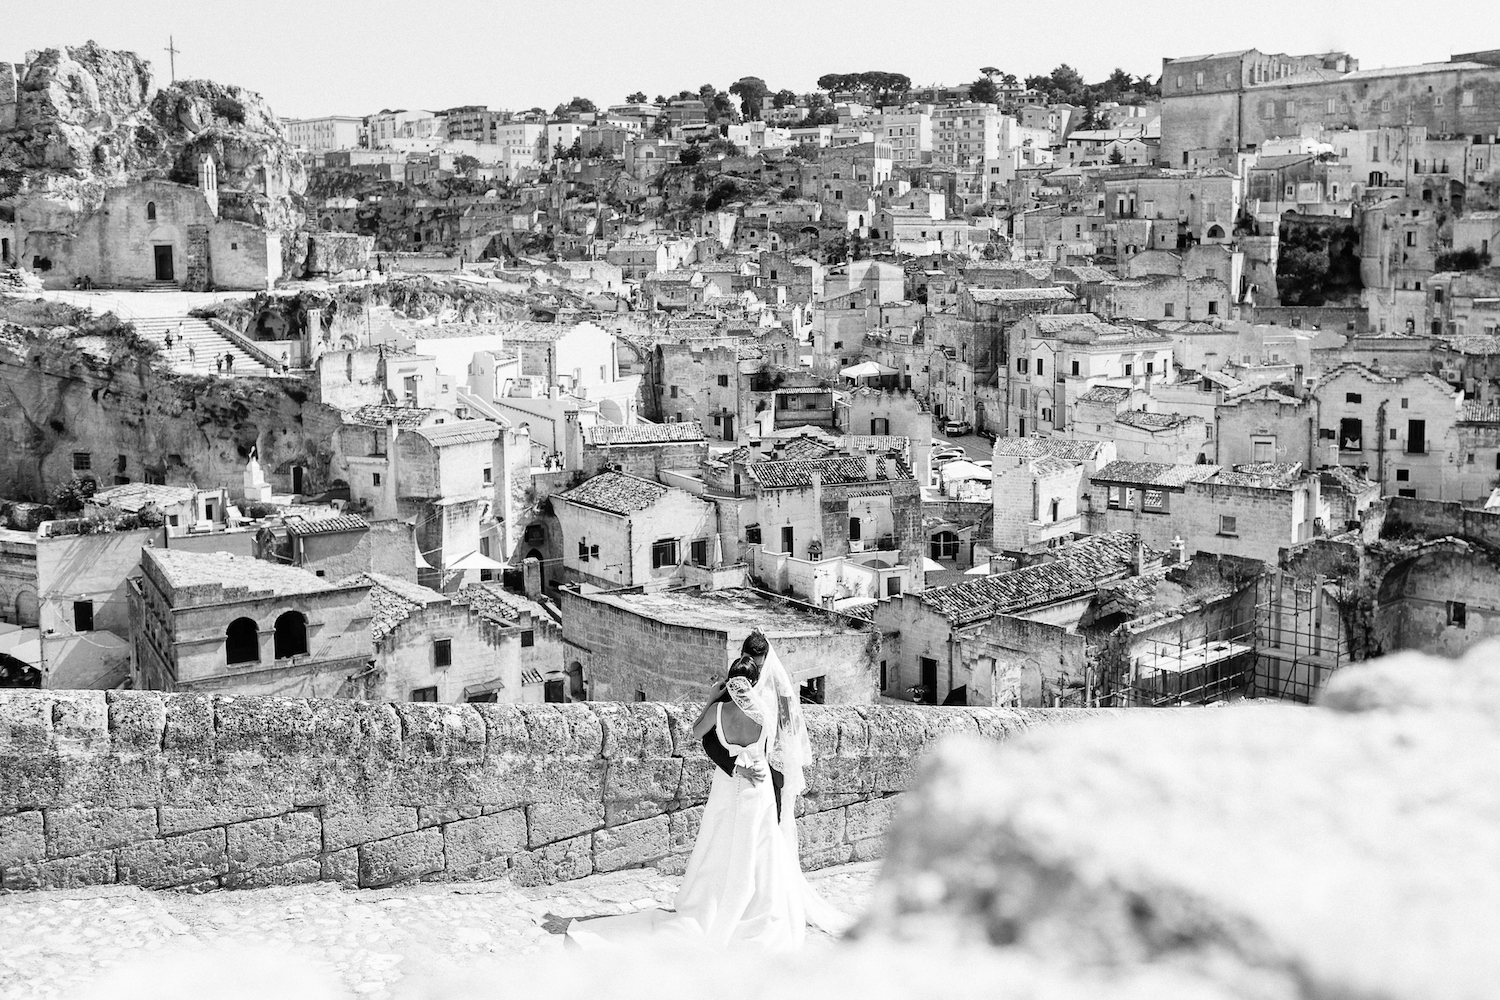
{"points": [[755, 647]]}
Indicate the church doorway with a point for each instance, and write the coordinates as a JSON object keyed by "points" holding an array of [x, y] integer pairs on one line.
{"points": [[164, 271]]}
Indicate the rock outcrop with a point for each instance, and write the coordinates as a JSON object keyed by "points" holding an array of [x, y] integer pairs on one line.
{"points": [[88, 119]]}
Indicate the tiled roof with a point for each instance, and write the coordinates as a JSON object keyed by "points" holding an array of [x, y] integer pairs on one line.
{"points": [[1155, 473], [837, 471], [797, 448], [1150, 421], [1071, 449], [1077, 569], [393, 600], [1480, 413], [611, 434], [617, 493], [379, 415], [1020, 294], [462, 432], [131, 497], [1105, 394], [497, 604], [531, 676], [1050, 325], [303, 527]]}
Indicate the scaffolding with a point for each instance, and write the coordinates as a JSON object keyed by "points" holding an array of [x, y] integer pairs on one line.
{"points": [[1300, 636], [1191, 669]]}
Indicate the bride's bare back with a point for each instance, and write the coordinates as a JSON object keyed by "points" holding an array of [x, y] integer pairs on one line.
{"points": [[737, 727]]}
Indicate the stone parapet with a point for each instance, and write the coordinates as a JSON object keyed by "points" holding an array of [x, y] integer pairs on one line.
{"points": [[200, 792]]}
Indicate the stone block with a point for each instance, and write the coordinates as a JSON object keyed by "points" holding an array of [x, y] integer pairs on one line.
{"points": [[680, 719], [672, 864], [75, 830], [400, 859], [270, 728], [264, 843], [863, 820], [80, 721], [565, 731], [103, 777], [480, 847], [633, 730], [631, 845], [198, 792], [820, 839], [32, 780], [548, 822], [22, 838], [97, 868], [871, 849], [449, 732], [635, 789], [25, 721], [696, 780], [297, 872], [438, 815], [682, 828], [348, 826], [184, 819], [1000, 724], [560, 862], [342, 867], [505, 729], [172, 861], [137, 720], [189, 725]]}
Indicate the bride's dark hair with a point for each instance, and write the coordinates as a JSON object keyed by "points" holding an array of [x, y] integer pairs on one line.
{"points": [[744, 667]]}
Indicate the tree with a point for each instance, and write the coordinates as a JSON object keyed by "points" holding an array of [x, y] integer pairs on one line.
{"points": [[639, 97], [1116, 157], [752, 91], [660, 100], [690, 156], [1067, 81], [990, 70], [783, 98], [1008, 79], [984, 91], [463, 163]]}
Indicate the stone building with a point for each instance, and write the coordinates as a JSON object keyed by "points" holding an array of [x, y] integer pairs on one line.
{"points": [[212, 621], [1266, 425], [621, 530], [479, 644], [153, 233], [701, 383], [643, 449], [1008, 639], [1038, 487], [673, 647], [1254, 512]]}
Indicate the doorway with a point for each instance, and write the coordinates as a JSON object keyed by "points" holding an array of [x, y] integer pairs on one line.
{"points": [[788, 536], [929, 680], [296, 479], [164, 271]]}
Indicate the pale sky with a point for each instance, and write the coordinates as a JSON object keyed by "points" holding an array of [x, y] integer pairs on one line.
{"points": [[315, 57]]}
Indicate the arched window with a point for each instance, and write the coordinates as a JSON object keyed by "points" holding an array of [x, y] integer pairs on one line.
{"points": [[1215, 233], [151, 211], [291, 635], [242, 641], [944, 545]]}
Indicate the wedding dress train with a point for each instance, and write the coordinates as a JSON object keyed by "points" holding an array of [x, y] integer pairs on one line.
{"points": [[744, 885]]}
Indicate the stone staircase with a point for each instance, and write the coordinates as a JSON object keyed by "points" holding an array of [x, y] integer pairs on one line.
{"points": [[196, 345]]}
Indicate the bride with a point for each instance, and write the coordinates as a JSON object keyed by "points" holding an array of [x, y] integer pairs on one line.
{"points": [[744, 885]]}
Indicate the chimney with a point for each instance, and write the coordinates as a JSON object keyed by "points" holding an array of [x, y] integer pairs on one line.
{"points": [[1179, 548], [872, 467], [817, 488], [532, 577], [892, 469], [1138, 558]]}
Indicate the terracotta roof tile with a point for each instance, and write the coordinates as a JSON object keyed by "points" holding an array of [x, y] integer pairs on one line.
{"points": [[326, 526], [617, 493], [612, 434]]}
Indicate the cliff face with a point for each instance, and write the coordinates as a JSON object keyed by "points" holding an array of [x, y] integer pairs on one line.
{"points": [[88, 119], [67, 393]]}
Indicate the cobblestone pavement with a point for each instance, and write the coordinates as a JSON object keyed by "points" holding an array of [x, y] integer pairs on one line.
{"points": [[58, 944]]}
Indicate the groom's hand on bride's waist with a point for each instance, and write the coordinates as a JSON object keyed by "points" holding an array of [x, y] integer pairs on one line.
{"points": [[753, 771]]}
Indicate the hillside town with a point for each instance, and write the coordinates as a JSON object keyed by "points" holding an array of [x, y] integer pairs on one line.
{"points": [[1015, 392]]}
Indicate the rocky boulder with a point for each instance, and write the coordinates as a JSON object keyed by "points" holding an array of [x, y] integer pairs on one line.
{"points": [[1348, 850]]}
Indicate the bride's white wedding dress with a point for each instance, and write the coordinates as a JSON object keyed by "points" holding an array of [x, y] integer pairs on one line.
{"points": [[744, 886]]}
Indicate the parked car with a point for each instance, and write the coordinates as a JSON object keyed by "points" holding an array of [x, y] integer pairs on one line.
{"points": [[957, 427], [943, 455]]}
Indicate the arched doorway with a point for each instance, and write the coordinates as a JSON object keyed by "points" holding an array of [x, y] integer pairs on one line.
{"points": [[291, 635], [242, 641], [1215, 232]]}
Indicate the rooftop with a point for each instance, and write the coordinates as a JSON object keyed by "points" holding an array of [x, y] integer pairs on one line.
{"points": [[494, 603], [838, 470], [1077, 569], [392, 601], [303, 527], [380, 414], [616, 493], [1161, 474], [462, 432], [1106, 394], [1053, 294], [131, 497], [1151, 421], [1060, 447], [235, 577], [736, 610], [621, 434]]}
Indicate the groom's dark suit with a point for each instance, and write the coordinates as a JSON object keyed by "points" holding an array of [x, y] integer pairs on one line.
{"points": [[725, 760]]}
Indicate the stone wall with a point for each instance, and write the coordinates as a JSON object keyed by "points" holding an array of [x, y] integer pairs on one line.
{"points": [[199, 792]]}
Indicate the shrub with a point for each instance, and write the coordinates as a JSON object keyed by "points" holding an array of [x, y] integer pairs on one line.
{"points": [[229, 109], [70, 497]]}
